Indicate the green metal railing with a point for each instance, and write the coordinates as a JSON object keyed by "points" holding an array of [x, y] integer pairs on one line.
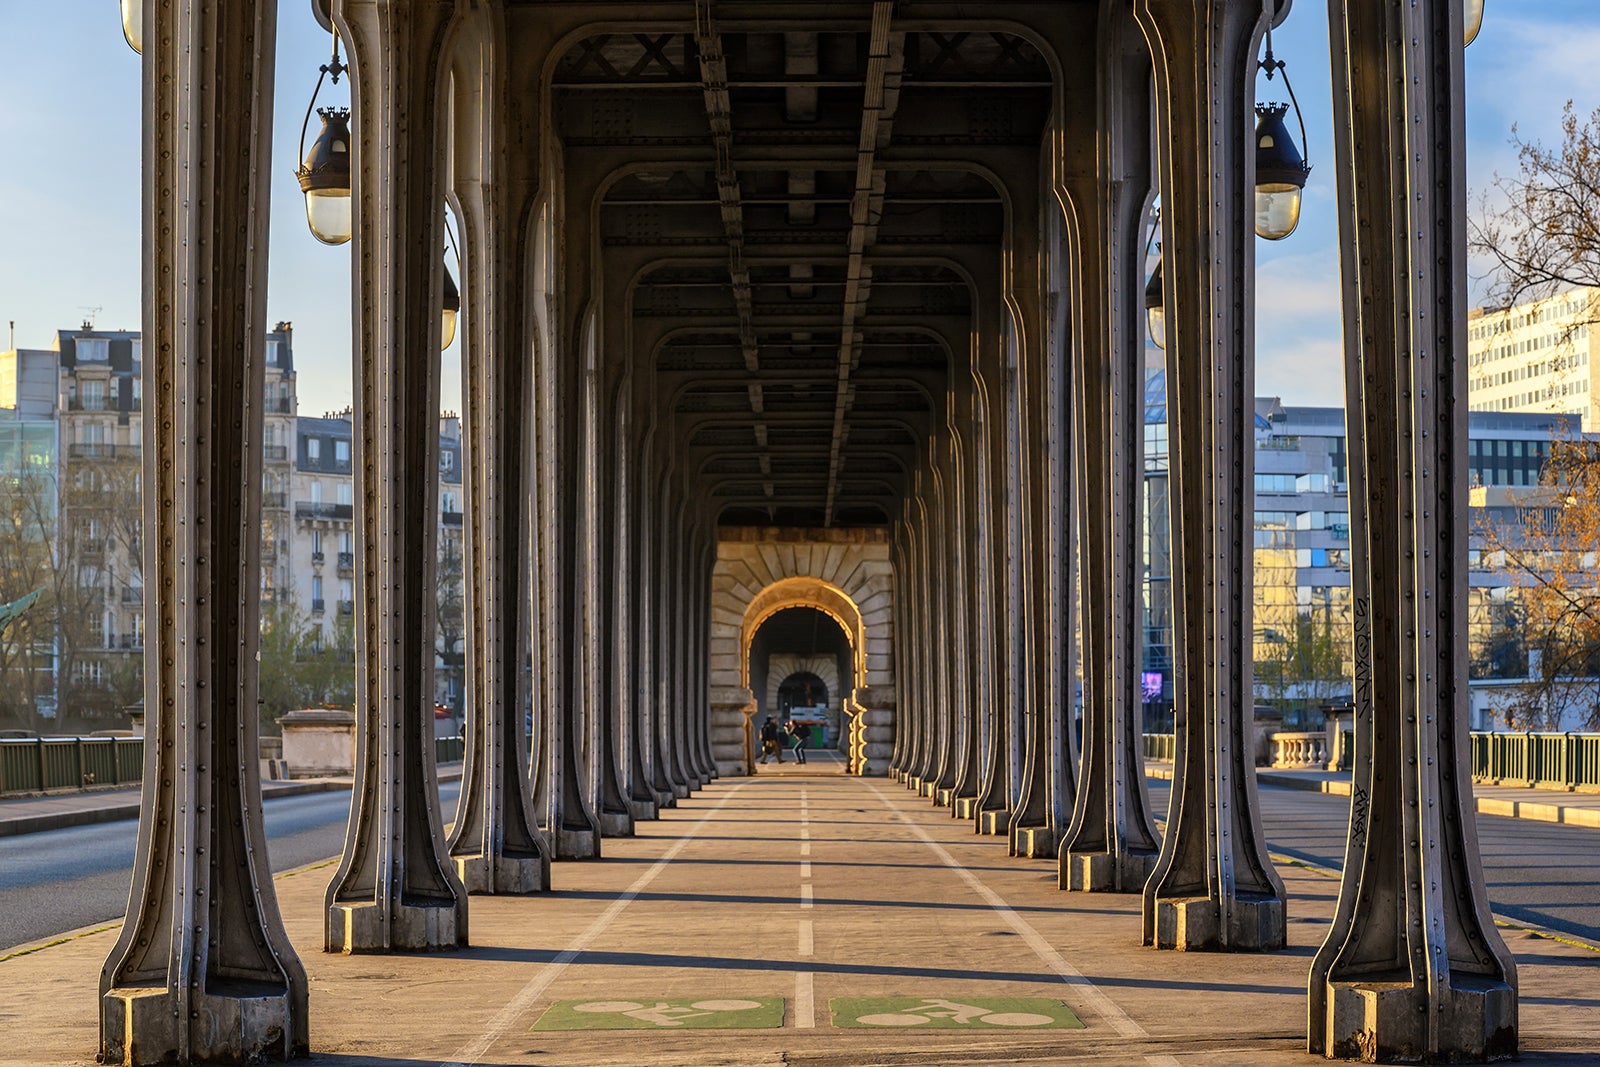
{"points": [[449, 749], [59, 764], [1542, 761], [45, 764], [1549, 761]]}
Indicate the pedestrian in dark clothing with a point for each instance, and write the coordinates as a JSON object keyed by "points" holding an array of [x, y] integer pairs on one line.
{"points": [[799, 734], [769, 740]]}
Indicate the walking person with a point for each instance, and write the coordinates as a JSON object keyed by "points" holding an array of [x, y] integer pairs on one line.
{"points": [[769, 740]]}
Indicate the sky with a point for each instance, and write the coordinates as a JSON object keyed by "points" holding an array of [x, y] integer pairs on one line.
{"points": [[69, 181]]}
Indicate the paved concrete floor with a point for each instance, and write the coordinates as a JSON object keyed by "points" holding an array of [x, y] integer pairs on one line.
{"points": [[807, 887]]}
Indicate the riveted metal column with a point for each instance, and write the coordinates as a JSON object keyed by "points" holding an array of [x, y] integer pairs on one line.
{"points": [[1214, 887], [495, 843], [1111, 844], [1413, 969], [941, 630], [395, 888], [905, 625], [202, 971], [969, 738]]}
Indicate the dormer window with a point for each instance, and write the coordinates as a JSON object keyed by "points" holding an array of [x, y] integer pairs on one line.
{"points": [[93, 349]]}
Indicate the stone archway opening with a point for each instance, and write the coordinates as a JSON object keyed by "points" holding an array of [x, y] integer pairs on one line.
{"points": [[801, 667]]}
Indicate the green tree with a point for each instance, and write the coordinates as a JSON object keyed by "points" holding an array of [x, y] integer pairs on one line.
{"points": [[302, 666], [1309, 668]]}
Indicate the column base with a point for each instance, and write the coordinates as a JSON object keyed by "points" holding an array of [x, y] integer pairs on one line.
{"points": [[681, 790], [576, 844], [1106, 872], [1194, 924], [666, 799], [965, 808], [359, 928], [644, 810], [1387, 1022], [997, 823], [925, 787], [489, 875], [943, 798], [252, 1024], [1038, 842], [616, 824]]}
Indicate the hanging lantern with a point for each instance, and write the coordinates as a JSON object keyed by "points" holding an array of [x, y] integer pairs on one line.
{"points": [[1155, 310], [1281, 171], [325, 179], [452, 308], [1471, 20], [1280, 174], [324, 172], [133, 24]]}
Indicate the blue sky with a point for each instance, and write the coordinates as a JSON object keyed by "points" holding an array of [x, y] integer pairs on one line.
{"points": [[69, 180]]}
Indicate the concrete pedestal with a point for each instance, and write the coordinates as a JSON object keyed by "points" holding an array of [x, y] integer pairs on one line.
{"points": [[944, 797], [1387, 1022], [616, 824], [503, 874], [1106, 872], [966, 808], [576, 844], [1038, 842], [994, 822], [644, 809], [360, 927], [240, 1026], [319, 742], [1194, 924]]}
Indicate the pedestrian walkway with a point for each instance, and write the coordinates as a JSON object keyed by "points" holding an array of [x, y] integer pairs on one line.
{"points": [[1510, 801], [800, 919]]}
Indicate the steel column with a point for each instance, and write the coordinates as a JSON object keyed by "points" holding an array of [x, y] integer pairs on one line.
{"points": [[202, 971], [1412, 968], [1214, 887]]}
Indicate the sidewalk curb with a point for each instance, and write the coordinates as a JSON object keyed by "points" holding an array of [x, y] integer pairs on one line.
{"points": [[61, 820], [1534, 811]]}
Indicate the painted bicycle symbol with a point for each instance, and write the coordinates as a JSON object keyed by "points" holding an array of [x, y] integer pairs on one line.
{"points": [[664, 1013], [959, 1014]]}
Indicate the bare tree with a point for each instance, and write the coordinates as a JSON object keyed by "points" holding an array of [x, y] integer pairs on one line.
{"points": [[1545, 237]]}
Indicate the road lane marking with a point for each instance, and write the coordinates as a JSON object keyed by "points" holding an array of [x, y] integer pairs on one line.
{"points": [[805, 1002], [805, 896], [472, 1052], [805, 868]]}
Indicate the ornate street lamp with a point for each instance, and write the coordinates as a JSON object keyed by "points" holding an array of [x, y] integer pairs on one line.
{"points": [[324, 172], [1280, 171], [452, 308], [1155, 310], [1471, 20], [133, 24]]}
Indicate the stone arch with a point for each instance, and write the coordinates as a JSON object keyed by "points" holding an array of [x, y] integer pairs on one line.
{"points": [[804, 593], [845, 574]]}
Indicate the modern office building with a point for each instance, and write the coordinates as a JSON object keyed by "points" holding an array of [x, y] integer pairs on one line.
{"points": [[1535, 357]]}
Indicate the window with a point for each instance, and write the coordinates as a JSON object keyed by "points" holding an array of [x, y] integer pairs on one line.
{"points": [[316, 492], [316, 587], [344, 493], [313, 448], [345, 541], [316, 542], [447, 460], [92, 395], [341, 451], [93, 349]]}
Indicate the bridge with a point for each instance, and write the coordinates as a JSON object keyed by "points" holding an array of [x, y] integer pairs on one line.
{"points": [[821, 315]]}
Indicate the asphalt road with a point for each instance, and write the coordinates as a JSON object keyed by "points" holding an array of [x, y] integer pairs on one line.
{"points": [[1543, 874], [65, 879]]}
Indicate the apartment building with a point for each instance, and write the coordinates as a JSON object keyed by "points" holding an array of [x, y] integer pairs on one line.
{"points": [[1535, 357]]}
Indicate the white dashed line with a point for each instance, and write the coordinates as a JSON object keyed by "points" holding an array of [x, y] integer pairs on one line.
{"points": [[805, 896], [805, 868], [805, 1004]]}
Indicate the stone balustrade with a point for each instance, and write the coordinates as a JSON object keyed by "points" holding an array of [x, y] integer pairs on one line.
{"points": [[1307, 749]]}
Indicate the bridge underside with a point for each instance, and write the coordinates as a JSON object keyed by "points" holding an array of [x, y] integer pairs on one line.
{"points": [[839, 276]]}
